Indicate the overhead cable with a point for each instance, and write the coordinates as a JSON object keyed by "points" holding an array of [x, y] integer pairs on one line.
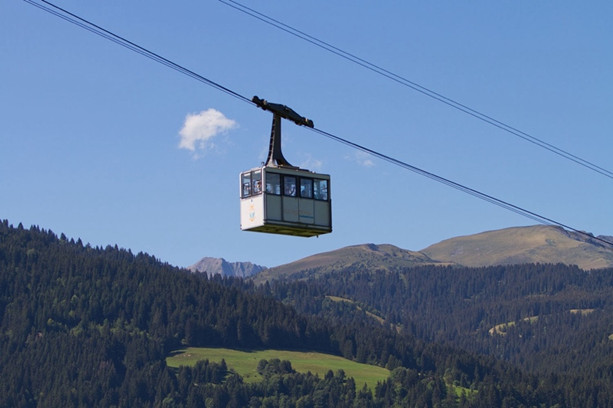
{"points": [[471, 191], [419, 88], [89, 26]]}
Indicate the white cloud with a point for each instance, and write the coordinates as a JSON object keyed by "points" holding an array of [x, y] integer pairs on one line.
{"points": [[363, 159], [200, 129]]}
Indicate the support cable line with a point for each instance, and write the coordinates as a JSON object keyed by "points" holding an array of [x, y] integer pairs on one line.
{"points": [[93, 28], [89, 26], [475, 193], [419, 88]]}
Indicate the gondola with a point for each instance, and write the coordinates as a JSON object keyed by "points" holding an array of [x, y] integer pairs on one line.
{"points": [[279, 198]]}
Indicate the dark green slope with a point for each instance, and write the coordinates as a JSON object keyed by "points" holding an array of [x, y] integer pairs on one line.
{"points": [[82, 326], [523, 304], [544, 318]]}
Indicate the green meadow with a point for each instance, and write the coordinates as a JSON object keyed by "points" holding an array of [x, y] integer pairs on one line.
{"points": [[245, 363]]}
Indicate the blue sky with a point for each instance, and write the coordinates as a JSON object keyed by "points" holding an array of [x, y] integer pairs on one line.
{"points": [[95, 140]]}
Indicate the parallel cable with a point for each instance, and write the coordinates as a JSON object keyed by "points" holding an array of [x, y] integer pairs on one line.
{"points": [[89, 26], [93, 28], [419, 88], [471, 191]]}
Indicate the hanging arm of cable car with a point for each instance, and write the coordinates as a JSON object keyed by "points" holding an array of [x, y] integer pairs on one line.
{"points": [[283, 111], [275, 156]]}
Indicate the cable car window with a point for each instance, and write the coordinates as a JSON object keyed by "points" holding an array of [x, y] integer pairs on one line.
{"points": [[320, 189], [256, 182], [273, 183], [289, 186], [246, 184], [306, 187]]}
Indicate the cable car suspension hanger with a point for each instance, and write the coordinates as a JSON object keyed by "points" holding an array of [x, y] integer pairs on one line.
{"points": [[275, 156]]}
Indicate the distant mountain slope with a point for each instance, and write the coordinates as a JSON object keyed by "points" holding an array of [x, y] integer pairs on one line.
{"points": [[535, 244], [213, 266], [365, 256], [518, 245]]}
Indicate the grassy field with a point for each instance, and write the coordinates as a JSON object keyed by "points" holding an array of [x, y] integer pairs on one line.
{"points": [[245, 363]]}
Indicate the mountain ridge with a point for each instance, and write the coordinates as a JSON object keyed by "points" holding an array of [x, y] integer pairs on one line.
{"points": [[532, 244], [213, 266], [380, 257], [507, 246]]}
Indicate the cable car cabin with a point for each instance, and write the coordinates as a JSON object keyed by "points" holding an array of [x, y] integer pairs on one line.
{"points": [[288, 201], [279, 198]]}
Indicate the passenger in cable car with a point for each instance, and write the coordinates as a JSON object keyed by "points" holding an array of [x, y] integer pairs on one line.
{"points": [[320, 190], [290, 186], [273, 184], [306, 188], [257, 187]]}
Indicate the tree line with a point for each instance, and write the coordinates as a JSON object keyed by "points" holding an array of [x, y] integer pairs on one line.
{"points": [[84, 326], [553, 319]]}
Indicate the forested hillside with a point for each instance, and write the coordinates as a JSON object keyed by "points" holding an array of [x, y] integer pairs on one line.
{"points": [[83, 326], [546, 319]]}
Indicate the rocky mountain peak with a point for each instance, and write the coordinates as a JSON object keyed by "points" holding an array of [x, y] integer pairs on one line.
{"points": [[213, 266]]}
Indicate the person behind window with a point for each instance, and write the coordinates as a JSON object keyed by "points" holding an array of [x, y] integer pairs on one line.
{"points": [[306, 188], [257, 187], [290, 186]]}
